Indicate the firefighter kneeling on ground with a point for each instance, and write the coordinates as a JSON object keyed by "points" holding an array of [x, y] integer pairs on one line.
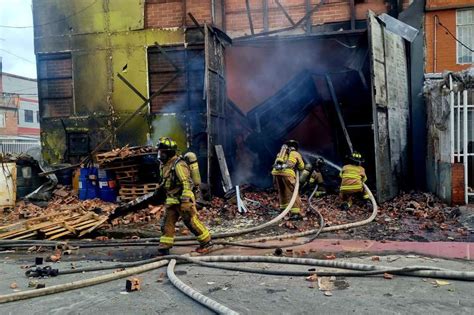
{"points": [[352, 180], [180, 200], [287, 162]]}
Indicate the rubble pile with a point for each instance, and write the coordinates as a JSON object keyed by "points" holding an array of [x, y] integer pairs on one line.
{"points": [[63, 216]]}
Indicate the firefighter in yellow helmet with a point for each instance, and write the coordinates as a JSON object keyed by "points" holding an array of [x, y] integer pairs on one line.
{"points": [[180, 200], [352, 180], [287, 162]]}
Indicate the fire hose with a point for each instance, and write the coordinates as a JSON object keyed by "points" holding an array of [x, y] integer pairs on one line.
{"points": [[364, 270], [180, 239], [195, 295]]}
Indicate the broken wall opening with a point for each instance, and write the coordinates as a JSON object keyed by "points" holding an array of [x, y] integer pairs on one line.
{"points": [[281, 85]]}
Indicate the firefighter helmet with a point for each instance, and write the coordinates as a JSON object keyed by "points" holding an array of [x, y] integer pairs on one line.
{"points": [[357, 157], [167, 144], [292, 144], [166, 149]]}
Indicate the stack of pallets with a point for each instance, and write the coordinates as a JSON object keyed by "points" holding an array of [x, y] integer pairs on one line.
{"points": [[126, 164], [53, 226]]}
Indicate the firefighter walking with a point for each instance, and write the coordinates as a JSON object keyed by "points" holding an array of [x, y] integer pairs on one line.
{"points": [[180, 200], [352, 180], [287, 162]]}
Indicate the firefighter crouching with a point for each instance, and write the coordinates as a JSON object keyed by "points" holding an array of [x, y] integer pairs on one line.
{"points": [[287, 162], [180, 200], [352, 180], [312, 176]]}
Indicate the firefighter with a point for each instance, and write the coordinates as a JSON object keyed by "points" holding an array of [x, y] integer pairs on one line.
{"points": [[287, 162], [180, 201], [312, 176], [352, 180]]}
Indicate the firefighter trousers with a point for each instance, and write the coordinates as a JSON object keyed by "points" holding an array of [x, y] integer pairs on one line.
{"points": [[187, 211], [348, 195], [285, 186]]}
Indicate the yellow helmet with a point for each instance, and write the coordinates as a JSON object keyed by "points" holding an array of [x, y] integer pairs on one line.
{"points": [[356, 156], [165, 143]]}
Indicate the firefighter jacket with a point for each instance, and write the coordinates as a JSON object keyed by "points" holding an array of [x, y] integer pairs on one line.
{"points": [[353, 178], [176, 179], [293, 162]]}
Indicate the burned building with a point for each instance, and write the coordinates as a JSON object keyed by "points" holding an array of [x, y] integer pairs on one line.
{"points": [[246, 75]]}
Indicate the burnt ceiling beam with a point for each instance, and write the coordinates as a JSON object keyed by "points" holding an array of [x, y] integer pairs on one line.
{"points": [[130, 85], [265, 15], [304, 18], [338, 111], [249, 16], [167, 57], [288, 17], [191, 16], [309, 20], [353, 14]]}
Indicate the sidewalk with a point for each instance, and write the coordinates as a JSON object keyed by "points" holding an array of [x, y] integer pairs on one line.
{"points": [[450, 250]]}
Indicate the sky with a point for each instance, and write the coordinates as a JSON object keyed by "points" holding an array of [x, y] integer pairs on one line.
{"points": [[16, 44]]}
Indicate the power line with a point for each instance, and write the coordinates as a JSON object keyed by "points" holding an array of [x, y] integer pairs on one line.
{"points": [[52, 22], [453, 36], [19, 57]]}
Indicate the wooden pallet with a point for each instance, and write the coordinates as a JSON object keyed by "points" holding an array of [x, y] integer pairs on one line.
{"points": [[129, 192], [124, 154], [53, 228]]}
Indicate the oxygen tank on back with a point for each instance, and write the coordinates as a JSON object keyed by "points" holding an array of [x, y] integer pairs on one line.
{"points": [[282, 158], [192, 161]]}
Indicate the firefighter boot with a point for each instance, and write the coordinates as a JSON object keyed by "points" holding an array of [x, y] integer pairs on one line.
{"points": [[204, 248], [163, 250]]}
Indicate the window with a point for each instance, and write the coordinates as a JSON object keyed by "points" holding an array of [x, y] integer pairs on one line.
{"points": [[55, 84], [28, 116], [465, 34], [2, 120]]}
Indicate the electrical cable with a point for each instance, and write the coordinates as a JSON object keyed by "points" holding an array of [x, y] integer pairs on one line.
{"points": [[452, 35], [195, 295]]}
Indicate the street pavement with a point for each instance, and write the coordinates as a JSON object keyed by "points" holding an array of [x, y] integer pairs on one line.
{"points": [[246, 293]]}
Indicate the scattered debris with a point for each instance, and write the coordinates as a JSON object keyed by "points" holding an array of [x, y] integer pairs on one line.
{"points": [[312, 278], [132, 284], [13, 285], [387, 276], [439, 283]]}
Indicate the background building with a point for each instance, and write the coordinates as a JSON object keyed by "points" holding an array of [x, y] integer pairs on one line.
{"points": [[19, 113], [449, 91]]}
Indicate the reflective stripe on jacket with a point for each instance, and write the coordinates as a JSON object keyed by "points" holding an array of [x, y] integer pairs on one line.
{"points": [[294, 162], [353, 178]]}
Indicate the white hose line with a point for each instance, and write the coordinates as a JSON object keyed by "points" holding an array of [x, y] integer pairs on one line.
{"points": [[81, 283], [325, 229], [432, 273], [195, 295], [259, 227]]}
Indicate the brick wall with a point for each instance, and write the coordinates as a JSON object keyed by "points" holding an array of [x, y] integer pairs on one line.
{"points": [[457, 179], [443, 4], [445, 44], [333, 11], [170, 13], [55, 85], [11, 123]]}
